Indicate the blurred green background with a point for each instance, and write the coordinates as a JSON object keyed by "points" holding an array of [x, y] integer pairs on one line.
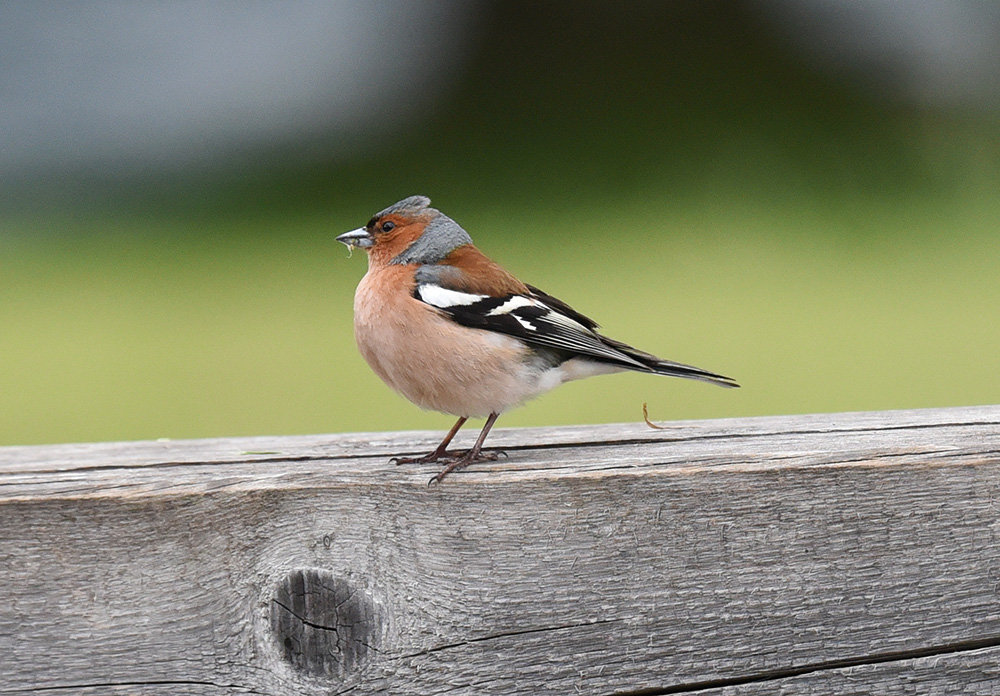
{"points": [[684, 173]]}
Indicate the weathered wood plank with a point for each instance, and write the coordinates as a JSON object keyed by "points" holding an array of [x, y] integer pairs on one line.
{"points": [[777, 555]]}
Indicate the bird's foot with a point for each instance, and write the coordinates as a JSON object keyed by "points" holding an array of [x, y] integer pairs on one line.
{"points": [[463, 459], [435, 456]]}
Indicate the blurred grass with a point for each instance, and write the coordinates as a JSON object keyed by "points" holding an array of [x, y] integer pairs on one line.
{"points": [[123, 332]]}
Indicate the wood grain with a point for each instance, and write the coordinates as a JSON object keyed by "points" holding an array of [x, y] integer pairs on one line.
{"points": [[836, 553]]}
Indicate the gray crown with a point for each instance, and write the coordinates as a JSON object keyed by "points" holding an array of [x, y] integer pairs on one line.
{"points": [[413, 204], [441, 236]]}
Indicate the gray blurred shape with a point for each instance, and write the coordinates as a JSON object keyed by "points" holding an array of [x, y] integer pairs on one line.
{"points": [[938, 53], [168, 84]]}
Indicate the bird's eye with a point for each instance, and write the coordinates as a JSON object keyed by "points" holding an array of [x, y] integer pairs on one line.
{"points": [[388, 226]]}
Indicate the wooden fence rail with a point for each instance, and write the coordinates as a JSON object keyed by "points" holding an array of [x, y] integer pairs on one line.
{"points": [[826, 554]]}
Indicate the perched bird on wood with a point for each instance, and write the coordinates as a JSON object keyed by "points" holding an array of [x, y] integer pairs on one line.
{"points": [[452, 331]]}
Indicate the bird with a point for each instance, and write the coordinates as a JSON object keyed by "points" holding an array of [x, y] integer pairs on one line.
{"points": [[453, 331]]}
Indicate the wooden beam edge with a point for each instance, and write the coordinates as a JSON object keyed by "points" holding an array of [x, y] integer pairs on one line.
{"points": [[925, 437]]}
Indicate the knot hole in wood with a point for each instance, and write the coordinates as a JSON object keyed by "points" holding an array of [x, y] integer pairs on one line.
{"points": [[323, 625]]}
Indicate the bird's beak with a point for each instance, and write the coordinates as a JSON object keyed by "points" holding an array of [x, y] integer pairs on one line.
{"points": [[357, 238]]}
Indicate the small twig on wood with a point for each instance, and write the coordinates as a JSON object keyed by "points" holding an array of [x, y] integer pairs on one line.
{"points": [[651, 424]]}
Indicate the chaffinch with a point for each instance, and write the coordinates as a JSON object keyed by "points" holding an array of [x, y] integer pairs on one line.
{"points": [[452, 331]]}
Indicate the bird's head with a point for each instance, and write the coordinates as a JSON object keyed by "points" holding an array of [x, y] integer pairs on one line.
{"points": [[409, 231]]}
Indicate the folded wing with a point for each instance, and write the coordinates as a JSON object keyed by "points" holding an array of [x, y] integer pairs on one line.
{"points": [[540, 319]]}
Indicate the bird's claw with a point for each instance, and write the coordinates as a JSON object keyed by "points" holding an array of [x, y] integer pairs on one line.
{"points": [[435, 456], [463, 460], [426, 459]]}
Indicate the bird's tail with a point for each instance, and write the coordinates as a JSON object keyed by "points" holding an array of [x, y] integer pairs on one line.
{"points": [[669, 368]]}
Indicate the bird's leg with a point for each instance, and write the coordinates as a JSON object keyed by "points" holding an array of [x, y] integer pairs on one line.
{"points": [[440, 453], [473, 455]]}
